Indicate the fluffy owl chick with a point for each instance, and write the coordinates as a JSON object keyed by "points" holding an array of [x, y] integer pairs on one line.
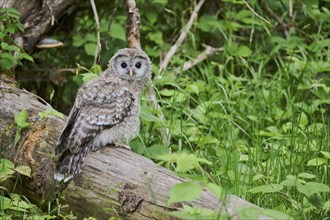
{"points": [[106, 111]]}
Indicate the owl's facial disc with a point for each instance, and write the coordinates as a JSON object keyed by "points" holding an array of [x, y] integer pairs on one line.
{"points": [[139, 66], [131, 67]]}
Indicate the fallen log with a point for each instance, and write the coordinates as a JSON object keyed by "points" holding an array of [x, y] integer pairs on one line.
{"points": [[114, 181]]}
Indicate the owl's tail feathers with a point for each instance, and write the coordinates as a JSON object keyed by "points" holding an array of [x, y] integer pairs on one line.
{"points": [[68, 165]]}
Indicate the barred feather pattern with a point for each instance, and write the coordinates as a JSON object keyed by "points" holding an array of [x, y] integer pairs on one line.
{"points": [[106, 110]]}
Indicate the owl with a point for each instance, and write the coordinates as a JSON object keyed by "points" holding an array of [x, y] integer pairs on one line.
{"points": [[106, 111]]}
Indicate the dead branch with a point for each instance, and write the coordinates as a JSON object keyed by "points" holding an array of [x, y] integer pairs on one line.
{"points": [[133, 24], [255, 13], [98, 38], [269, 11], [200, 58], [184, 32]]}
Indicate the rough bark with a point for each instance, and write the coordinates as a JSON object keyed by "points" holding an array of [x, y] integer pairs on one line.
{"points": [[114, 181]]}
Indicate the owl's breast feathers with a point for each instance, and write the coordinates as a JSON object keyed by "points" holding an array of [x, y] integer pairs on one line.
{"points": [[100, 104]]}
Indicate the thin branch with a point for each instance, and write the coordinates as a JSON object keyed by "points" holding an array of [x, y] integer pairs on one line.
{"points": [[109, 26], [200, 58], [290, 8], [98, 38], [255, 13], [275, 16], [184, 32], [133, 24]]}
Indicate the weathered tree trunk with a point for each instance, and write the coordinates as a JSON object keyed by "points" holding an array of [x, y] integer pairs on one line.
{"points": [[114, 181], [38, 17]]}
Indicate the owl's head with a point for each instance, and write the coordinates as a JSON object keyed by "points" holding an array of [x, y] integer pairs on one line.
{"points": [[131, 64]]}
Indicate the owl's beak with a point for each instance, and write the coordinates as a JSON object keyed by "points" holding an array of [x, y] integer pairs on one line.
{"points": [[130, 73]]}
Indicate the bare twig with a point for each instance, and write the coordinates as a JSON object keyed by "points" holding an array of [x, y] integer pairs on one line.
{"points": [[275, 16], [200, 58], [98, 39], [133, 24], [109, 26], [51, 12], [163, 65], [290, 8], [255, 13]]}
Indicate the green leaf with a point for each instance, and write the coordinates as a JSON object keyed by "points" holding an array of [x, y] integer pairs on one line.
{"points": [[310, 188], [26, 57], [151, 16], [146, 115], [316, 200], [155, 150], [303, 120], [49, 112], [6, 167], [274, 214], [271, 188], [243, 51], [192, 88], [89, 76], [5, 46], [186, 191], [317, 162], [7, 60], [90, 48], [248, 212], [21, 118], [157, 37], [326, 205], [167, 92], [217, 191], [117, 31], [306, 175], [184, 161], [78, 41], [96, 69], [137, 146], [208, 23], [24, 170], [326, 154], [17, 136], [196, 213], [4, 202]]}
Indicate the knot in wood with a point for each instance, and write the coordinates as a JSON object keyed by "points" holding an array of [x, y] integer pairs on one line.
{"points": [[130, 202]]}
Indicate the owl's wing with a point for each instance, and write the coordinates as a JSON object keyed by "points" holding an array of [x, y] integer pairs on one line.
{"points": [[105, 106]]}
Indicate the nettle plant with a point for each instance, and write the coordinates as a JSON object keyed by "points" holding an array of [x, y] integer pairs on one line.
{"points": [[11, 53]]}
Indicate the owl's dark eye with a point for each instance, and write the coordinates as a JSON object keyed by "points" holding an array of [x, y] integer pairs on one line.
{"points": [[123, 65], [138, 65]]}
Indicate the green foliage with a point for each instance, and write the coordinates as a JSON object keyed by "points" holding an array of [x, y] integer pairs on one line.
{"points": [[189, 212], [49, 112], [253, 119], [183, 161], [13, 205], [21, 123], [10, 53], [186, 191]]}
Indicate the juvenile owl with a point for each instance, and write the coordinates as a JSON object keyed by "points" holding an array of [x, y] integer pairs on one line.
{"points": [[106, 111]]}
